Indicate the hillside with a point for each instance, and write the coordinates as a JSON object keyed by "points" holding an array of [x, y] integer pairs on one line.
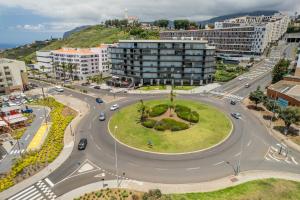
{"points": [[89, 37]]}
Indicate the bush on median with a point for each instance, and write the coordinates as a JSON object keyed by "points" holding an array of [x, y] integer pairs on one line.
{"points": [[158, 110], [186, 113]]}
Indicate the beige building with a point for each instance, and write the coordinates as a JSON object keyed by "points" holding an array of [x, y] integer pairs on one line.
{"points": [[13, 75]]}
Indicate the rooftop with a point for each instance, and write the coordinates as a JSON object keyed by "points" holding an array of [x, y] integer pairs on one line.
{"points": [[290, 88], [86, 51], [167, 41]]}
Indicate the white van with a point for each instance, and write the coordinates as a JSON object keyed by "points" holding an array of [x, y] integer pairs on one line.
{"points": [[59, 89]]}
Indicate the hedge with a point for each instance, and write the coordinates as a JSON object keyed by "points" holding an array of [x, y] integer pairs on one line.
{"points": [[186, 113], [149, 123], [158, 110], [50, 149], [170, 124]]}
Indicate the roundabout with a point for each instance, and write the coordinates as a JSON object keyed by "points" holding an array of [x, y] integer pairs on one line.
{"points": [[209, 128]]}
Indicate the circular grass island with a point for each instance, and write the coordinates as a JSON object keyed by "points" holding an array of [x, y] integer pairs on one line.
{"points": [[163, 127]]}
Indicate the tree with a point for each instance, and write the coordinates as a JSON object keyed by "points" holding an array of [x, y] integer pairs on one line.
{"points": [[71, 69], [163, 23], [272, 106], [64, 68], [181, 24], [279, 70], [257, 96], [289, 115], [143, 110], [172, 96]]}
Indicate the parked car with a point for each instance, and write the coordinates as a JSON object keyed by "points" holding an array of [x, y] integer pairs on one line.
{"points": [[59, 89], [82, 144], [28, 99], [99, 100], [85, 84], [236, 115], [114, 107], [10, 104], [232, 102], [247, 85], [97, 87], [102, 116], [28, 110], [5, 99]]}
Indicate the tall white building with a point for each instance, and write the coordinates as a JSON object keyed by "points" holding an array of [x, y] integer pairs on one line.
{"points": [[13, 75], [80, 63]]}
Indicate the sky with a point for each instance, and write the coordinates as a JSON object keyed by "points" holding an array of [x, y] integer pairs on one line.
{"points": [[23, 21]]}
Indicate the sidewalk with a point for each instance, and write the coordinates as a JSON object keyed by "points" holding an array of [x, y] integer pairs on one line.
{"points": [[183, 188], [82, 108], [200, 89]]}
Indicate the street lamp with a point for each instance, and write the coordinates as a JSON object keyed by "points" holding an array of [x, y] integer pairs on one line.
{"points": [[116, 157]]}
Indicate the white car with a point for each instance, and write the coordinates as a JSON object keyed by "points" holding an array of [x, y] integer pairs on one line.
{"points": [[59, 89], [114, 107]]}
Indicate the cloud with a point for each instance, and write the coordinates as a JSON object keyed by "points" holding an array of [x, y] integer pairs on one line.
{"points": [[29, 27], [97, 10]]}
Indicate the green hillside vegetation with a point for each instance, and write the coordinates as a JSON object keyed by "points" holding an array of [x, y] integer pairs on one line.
{"points": [[90, 37]]}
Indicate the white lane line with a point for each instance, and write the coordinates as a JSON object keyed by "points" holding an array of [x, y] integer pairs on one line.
{"points": [[22, 192], [160, 169], [274, 149], [192, 168], [30, 195], [294, 161], [287, 161], [273, 158], [237, 154], [249, 143], [22, 150], [27, 137], [99, 148], [219, 163], [36, 196], [49, 182], [267, 158]]}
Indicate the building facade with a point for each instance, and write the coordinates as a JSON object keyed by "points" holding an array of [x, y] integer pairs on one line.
{"points": [[249, 35], [44, 61], [13, 76], [80, 63], [155, 62]]}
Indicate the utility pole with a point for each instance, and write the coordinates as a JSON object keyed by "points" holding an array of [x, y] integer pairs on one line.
{"points": [[116, 157], [45, 112]]}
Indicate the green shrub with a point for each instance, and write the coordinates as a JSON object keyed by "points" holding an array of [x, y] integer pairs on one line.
{"points": [[158, 110], [170, 124], [185, 113], [149, 123]]}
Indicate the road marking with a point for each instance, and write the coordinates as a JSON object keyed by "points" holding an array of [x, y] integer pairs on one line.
{"points": [[237, 154], [274, 149], [100, 175], [22, 192], [249, 143], [49, 182], [287, 161], [267, 158], [160, 169], [293, 159], [27, 137], [273, 158], [219, 163], [192, 168], [98, 147]]}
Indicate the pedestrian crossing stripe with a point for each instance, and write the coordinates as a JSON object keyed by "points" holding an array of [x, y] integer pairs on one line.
{"points": [[38, 191], [16, 151]]}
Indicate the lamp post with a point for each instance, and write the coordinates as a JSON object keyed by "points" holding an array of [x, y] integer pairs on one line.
{"points": [[116, 157]]}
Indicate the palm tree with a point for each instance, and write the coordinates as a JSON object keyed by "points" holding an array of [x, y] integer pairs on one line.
{"points": [[172, 96], [64, 69]]}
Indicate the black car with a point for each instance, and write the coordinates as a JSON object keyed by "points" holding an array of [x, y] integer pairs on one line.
{"points": [[99, 100], [232, 102], [97, 87], [82, 144], [85, 84]]}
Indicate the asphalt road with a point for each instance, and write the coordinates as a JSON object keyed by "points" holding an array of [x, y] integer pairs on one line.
{"points": [[249, 143]]}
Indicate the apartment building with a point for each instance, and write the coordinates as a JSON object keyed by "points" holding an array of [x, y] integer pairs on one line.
{"points": [[80, 63], [167, 62], [44, 61], [249, 35], [13, 76]]}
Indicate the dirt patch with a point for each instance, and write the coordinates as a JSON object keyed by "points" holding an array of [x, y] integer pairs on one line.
{"points": [[169, 114], [67, 111]]}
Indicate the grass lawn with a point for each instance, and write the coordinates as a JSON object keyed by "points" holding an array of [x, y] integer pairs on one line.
{"points": [[153, 87], [213, 127], [266, 189], [227, 72]]}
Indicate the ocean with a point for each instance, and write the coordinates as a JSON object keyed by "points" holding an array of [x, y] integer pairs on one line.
{"points": [[7, 46]]}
